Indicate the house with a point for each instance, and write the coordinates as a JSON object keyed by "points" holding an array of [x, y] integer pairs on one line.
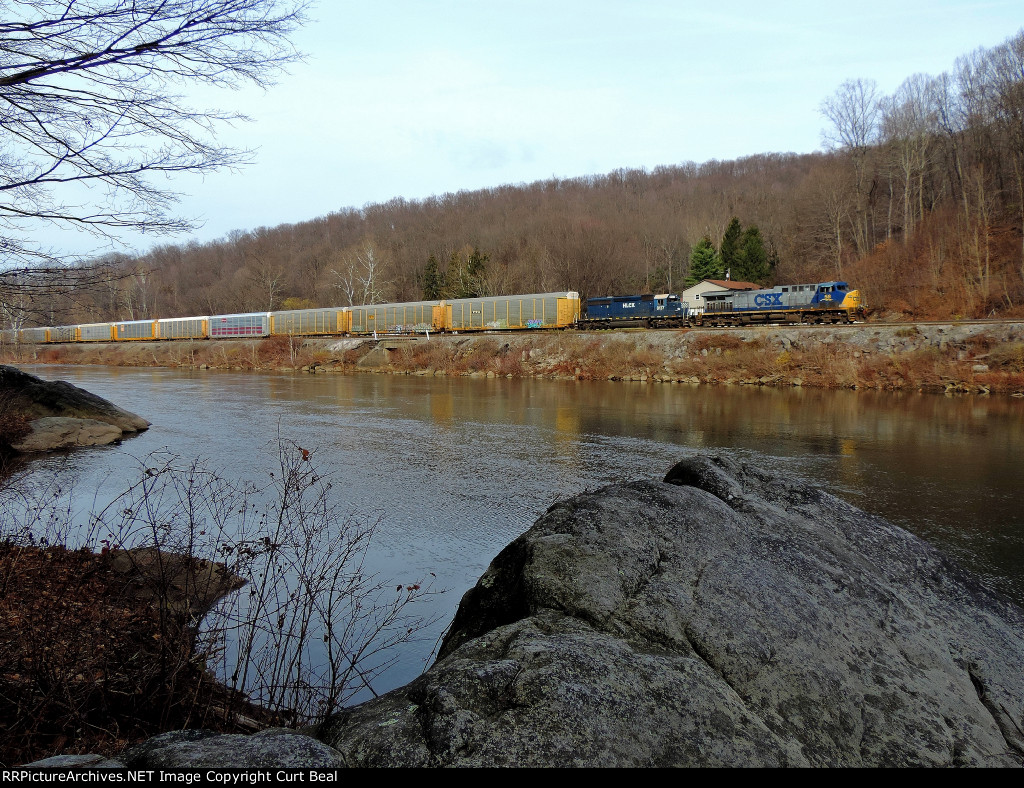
{"points": [[692, 295]]}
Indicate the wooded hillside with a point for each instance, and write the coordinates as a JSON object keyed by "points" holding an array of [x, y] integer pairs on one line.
{"points": [[918, 202]]}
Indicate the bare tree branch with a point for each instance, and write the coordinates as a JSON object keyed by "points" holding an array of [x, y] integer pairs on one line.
{"points": [[91, 95]]}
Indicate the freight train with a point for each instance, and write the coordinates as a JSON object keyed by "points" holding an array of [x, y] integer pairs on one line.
{"points": [[825, 302]]}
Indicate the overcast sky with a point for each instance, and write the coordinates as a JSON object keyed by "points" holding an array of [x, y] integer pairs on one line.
{"points": [[414, 98]]}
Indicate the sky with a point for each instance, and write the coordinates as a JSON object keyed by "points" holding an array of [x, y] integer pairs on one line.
{"points": [[414, 98]]}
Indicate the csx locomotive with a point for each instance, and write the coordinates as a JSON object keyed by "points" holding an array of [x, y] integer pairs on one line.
{"points": [[825, 302], [822, 302]]}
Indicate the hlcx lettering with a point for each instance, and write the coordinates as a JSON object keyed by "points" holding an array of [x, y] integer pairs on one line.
{"points": [[769, 299]]}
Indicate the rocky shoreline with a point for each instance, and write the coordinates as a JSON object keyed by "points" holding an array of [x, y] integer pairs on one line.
{"points": [[977, 358], [37, 415]]}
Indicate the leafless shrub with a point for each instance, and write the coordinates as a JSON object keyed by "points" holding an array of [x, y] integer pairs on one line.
{"points": [[1008, 356], [311, 627], [714, 340], [264, 588], [14, 424]]}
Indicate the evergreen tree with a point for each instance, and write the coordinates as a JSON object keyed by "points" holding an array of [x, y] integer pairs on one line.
{"points": [[754, 258], [731, 250], [704, 262], [433, 282], [453, 277], [475, 271]]}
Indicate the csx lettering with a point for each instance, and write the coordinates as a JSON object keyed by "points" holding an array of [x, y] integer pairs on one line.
{"points": [[769, 299]]}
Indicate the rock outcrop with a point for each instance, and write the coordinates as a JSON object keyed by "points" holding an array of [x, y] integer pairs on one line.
{"points": [[197, 749], [723, 617], [60, 415], [277, 747]]}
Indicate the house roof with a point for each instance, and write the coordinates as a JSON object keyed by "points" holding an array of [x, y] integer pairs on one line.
{"points": [[729, 284]]}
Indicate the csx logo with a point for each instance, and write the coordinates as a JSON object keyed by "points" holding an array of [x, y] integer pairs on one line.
{"points": [[769, 299]]}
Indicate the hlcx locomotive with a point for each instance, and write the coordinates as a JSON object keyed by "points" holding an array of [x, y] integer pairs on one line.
{"points": [[823, 302]]}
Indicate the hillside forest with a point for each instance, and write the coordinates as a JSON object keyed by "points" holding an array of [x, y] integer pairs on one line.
{"points": [[917, 200]]}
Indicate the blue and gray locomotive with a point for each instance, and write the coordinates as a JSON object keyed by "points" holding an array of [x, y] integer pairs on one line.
{"points": [[820, 302], [639, 311]]}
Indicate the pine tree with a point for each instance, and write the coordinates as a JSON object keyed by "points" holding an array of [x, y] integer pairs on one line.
{"points": [[704, 262], [433, 283], [475, 271], [454, 286], [754, 262], [731, 250]]}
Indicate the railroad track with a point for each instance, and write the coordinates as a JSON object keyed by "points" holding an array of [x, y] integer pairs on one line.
{"points": [[843, 326]]}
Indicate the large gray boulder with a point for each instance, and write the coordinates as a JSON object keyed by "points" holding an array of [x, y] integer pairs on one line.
{"points": [[59, 415], [61, 432], [277, 747], [722, 617]]}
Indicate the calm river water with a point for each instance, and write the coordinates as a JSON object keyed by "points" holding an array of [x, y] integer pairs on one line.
{"points": [[457, 468]]}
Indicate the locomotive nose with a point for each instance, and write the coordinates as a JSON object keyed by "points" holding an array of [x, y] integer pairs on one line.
{"points": [[852, 300]]}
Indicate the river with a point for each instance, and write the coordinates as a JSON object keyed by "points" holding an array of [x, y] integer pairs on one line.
{"points": [[456, 468]]}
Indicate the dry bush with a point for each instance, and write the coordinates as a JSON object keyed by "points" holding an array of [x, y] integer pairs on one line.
{"points": [[479, 356], [510, 364], [723, 356], [713, 341], [646, 358], [430, 355], [107, 642], [90, 668], [758, 362], [509, 361], [278, 351], [14, 423], [783, 362], [981, 343], [234, 354], [564, 356], [829, 367], [51, 355], [1008, 357], [927, 367], [607, 360]]}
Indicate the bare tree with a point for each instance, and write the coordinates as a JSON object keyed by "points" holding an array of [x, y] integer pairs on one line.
{"points": [[1008, 88], [854, 112], [37, 294], [829, 186], [362, 273], [91, 107], [908, 126]]}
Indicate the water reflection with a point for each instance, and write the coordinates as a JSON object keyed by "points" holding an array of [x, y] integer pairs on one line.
{"points": [[457, 468]]}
